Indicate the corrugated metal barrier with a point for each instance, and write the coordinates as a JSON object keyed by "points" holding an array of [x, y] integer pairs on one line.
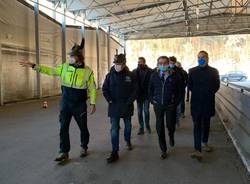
{"points": [[233, 108]]}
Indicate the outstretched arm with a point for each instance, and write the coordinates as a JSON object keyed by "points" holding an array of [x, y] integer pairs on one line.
{"points": [[25, 63], [55, 71]]}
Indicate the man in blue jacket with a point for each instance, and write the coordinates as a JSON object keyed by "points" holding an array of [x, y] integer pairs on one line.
{"points": [[164, 94], [203, 82], [119, 89]]}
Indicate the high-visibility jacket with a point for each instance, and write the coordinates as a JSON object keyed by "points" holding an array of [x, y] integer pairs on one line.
{"points": [[80, 79]]}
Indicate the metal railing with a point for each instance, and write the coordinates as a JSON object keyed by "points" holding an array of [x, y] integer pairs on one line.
{"points": [[233, 110], [242, 89]]}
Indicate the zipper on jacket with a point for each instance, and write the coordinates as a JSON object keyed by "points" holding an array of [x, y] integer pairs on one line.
{"points": [[73, 77], [76, 78]]}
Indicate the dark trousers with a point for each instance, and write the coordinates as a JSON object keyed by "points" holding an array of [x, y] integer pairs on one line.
{"points": [[162, 112], [201, 132], [79, 112], [183, 102], [188, 95], [115, 127], [143, 106]]}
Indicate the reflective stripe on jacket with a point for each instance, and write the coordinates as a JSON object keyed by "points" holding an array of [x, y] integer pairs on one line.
{"points": [[73, 77]]}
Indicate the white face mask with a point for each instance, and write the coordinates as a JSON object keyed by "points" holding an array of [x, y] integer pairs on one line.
{"points": [[118, 68], [72, 60]]}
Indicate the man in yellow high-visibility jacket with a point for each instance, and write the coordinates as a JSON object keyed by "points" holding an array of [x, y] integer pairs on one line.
{"points": [[77, 84]]}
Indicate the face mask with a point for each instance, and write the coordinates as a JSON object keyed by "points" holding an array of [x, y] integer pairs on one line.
{"points": [[72, 60], [171, 65], [140, 66], [163, 68], [201, 61], [118, 68]]}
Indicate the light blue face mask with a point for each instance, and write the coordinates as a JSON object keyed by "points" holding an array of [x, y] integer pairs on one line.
{"points": [[201, 61], [163, 68], [171, 65]]}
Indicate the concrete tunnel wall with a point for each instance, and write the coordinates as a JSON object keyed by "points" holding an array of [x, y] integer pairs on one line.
{"points": [[17, 42], [233, 107]]}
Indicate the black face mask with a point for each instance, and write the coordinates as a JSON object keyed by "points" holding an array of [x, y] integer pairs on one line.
{"points": [[78, 64], [142, 66]]}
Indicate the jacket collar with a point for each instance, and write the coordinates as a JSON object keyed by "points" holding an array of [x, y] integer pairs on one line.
{"points": [[81, 65]]}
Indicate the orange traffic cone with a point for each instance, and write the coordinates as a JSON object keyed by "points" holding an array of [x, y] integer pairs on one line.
{"points": [[45, 104]]}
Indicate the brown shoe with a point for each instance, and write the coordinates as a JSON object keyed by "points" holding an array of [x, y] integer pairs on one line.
{"points": [[197, 155], [163, 156], [62, 157], [208, 148]]}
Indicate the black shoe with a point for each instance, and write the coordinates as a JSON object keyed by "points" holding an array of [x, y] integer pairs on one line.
{"points": [[171, 141], [163, 156], [83, 153], [113, 157], [140, 132], [129, 146], [149, 130], [178, 124], [62, 157]]}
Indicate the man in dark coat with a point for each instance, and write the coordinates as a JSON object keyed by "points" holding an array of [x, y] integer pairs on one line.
{"points": [[203, 83], [183, 92], [119, 89], [183, 77], [143, 73], [164, 94]]}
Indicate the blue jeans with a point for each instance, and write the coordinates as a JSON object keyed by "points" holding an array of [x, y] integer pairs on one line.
{"points": [[115, 126], [143, 105], [201, 132], [180, 108]]}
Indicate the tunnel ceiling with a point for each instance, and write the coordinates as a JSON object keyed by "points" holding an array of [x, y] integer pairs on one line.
{"points": [[143, 19]]}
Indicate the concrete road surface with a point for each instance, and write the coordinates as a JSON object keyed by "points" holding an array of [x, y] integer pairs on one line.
{"points": [[29, 142]]}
